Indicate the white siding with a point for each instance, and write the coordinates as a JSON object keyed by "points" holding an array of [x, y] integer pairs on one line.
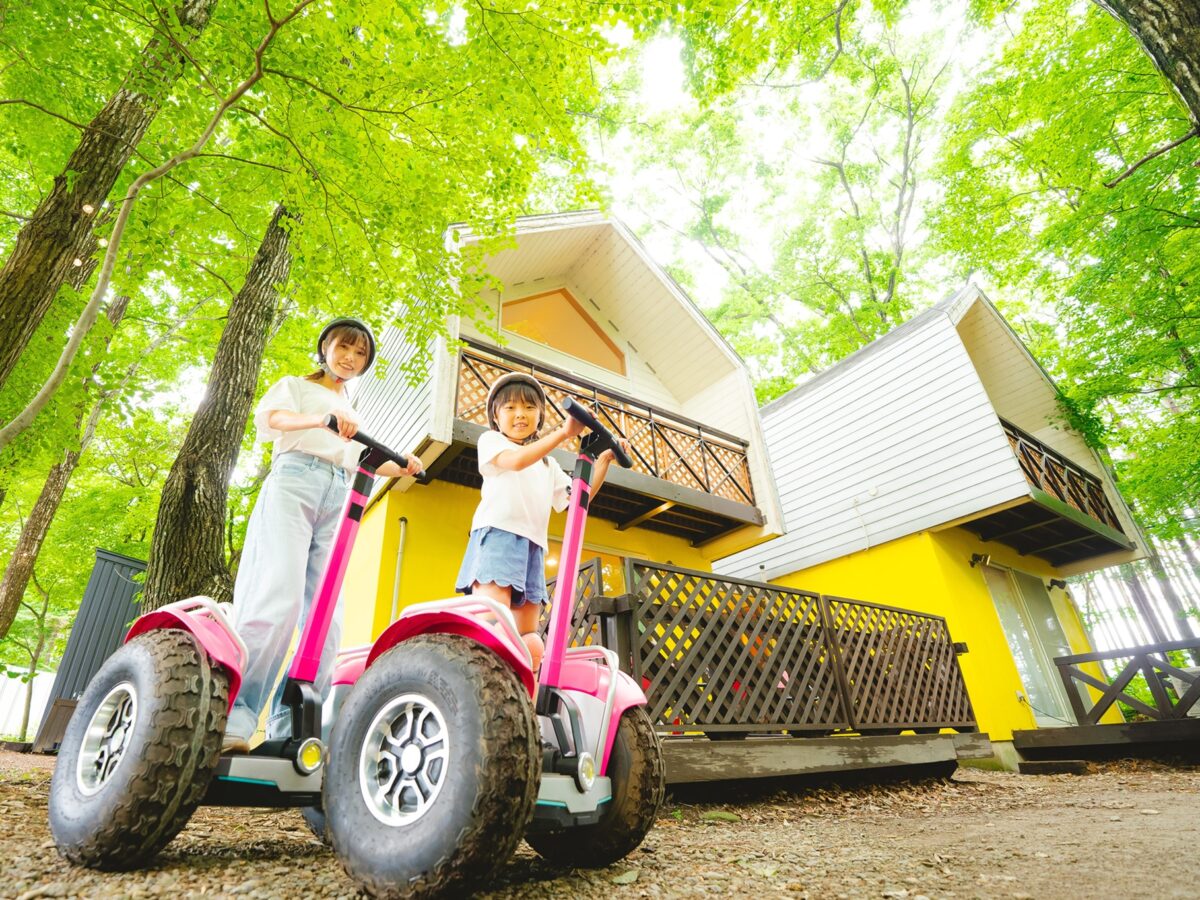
{"points": [[899, 438], [391, 410]]}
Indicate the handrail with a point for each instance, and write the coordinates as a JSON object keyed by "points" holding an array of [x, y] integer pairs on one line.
{"points": [[1075, 486], [1147, 659], [563, 375]]}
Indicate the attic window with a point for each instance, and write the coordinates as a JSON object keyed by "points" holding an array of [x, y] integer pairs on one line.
{"points": [[558, 320]]}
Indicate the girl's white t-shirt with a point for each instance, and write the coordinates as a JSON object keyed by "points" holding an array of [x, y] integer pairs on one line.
{"points": [[299, 395], [519, 501]]}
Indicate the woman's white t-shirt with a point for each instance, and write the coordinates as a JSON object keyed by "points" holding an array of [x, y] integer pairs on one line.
{"points": [[299, 395], [519, 501]]}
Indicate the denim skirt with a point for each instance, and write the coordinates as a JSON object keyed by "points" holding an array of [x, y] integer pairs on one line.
{"points": [[507, 559]]}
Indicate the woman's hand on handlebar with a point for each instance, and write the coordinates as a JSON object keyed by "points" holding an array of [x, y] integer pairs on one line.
{"points": [[391, 470], [347, 423]]}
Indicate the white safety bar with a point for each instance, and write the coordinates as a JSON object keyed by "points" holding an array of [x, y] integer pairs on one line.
{"points": [[610, 659], [208, 606]]}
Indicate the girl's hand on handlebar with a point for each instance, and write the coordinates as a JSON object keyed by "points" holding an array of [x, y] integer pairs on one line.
{"points": [[571, 428], [414, 466], [347, 423], [607, 457]]}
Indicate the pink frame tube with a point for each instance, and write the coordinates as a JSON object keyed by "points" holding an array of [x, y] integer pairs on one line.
{"points": [[312, 639], [563, 607]]}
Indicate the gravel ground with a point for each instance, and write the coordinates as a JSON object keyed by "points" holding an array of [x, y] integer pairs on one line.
{"points": [[1126, 830]]}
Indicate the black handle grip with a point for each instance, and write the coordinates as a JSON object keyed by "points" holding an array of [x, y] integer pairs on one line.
{"points": [[387, 452], [581, 414]]}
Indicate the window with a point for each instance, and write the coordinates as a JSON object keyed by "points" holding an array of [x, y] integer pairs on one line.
{"points": [[558, 320]]}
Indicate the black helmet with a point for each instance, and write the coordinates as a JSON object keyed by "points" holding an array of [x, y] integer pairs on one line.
{"points": [[509, 378], [353, 323]]}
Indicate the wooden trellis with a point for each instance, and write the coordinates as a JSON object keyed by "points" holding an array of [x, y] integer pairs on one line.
{"points": [[899, 666], [664, 446], [729, 657], [589, 583]]}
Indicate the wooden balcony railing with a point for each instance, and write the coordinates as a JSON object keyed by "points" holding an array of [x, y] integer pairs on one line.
{"points": [[665, 445], [1053, 473], [1150, 661]]}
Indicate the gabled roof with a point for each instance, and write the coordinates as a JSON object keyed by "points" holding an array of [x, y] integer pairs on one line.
{"points": [[606, 263]]}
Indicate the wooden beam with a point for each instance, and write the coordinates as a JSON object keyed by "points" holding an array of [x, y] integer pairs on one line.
{"points": [[648, 514], [699, 759]]}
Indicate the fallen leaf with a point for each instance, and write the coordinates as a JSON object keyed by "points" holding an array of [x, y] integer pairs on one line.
{"points": [[626, 877]]}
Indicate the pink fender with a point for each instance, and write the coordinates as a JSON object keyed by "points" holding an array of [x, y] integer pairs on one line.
{"points": [[449, 621], [221, 647], [590, 677], [350, 664]]}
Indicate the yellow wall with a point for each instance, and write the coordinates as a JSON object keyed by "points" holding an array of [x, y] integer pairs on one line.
{"points": [[439, 522]]}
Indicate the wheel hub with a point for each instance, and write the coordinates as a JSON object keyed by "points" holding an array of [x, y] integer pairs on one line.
{"points": [[403, 760], [106, 738], [410, 759]]}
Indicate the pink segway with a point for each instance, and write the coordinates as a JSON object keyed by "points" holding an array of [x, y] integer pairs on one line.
{"points": [[439, 761], [143, 747]]}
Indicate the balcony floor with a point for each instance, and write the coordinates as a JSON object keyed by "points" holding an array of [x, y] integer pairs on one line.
{"points": [[1058, 535]]}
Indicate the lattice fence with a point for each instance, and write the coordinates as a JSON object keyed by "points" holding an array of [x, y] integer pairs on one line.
{"points": [[720, 655], [726, 656], [589, 584], [1056, 475], [899, 666]]}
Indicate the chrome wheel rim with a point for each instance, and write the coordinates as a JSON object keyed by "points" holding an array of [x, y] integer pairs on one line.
{"points": [[404, 760], [106, 738]]}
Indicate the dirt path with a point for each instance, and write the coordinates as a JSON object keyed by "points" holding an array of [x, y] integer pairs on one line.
{"points": [[1127, 830]]}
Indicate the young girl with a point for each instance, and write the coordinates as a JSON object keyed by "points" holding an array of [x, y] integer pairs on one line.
{"points": [[294, 521], [505, 558]]}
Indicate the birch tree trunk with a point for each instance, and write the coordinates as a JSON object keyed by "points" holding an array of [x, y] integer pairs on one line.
{"points": [[187, 550], [1169, 32], [60, 230], [1145, 608]]}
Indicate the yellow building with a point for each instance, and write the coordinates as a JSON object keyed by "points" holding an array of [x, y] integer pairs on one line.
{"points": [[928, 476], [933, 470], [582, 307]]}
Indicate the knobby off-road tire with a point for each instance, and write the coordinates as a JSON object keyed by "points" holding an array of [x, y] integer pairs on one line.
{"points": [[434, 765], [638, 784], [139, 752]]}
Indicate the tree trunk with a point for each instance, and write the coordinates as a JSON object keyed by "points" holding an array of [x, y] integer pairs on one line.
{"points": [[186, 551], [60, 230], [1169, 32], [1145, 608], [33, 534], [34, 658], [29, 544]]}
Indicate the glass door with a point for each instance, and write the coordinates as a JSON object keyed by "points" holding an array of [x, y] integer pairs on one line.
{"points": [[1035, 637]]}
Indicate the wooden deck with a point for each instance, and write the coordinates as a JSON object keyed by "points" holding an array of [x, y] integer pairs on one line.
{"points": [[1173, 737], [700, 759]]}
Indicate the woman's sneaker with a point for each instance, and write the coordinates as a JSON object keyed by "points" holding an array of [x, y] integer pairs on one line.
{"points": [[231, 743]]}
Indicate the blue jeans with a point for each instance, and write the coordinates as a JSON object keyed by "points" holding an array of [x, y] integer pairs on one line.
{"points": [[288, 541]]}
